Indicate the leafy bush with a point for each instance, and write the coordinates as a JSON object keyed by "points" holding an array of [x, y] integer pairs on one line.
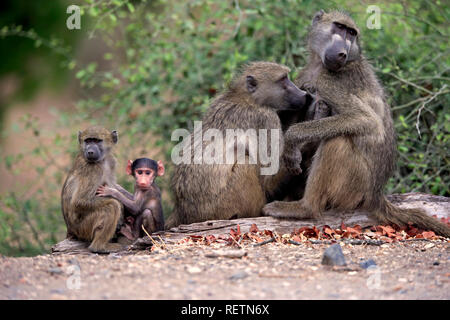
{"points": [[169, 59]]}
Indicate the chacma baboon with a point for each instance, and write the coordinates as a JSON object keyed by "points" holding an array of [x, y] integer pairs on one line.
{"points": [[143, 208], [87, 216], [225, 190], [357, 150]]}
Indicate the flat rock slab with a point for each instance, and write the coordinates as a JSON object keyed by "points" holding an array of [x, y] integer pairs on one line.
{"points": [[433, 205]]}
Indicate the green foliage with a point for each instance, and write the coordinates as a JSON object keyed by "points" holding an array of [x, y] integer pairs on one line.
{"points": [[34, 47], [168, 59]]}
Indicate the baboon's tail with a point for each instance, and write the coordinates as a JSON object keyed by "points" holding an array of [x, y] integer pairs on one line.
{"points": [[388, 213]]}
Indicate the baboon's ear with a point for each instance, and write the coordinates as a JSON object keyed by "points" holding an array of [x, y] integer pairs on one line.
{"points": [[318, 16], [114, 136], [129, 169], [79, 137], [251, 84], [161, 169]]}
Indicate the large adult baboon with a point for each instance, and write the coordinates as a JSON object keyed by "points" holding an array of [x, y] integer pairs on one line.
{"points": [[87, 216], [222, 190], [357, 150]]}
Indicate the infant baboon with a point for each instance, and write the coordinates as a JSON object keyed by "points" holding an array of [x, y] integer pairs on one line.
{"points": [[143, 208], [87, 216], [293, 187], [224, 190], [357, 150]]}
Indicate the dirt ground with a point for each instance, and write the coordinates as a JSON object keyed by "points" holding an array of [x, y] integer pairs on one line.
{"points": [[409, 270]]}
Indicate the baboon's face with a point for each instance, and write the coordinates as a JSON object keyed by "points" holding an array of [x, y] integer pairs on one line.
{"points": [[96, 143], [93, 149], [278, 93], [334, 38]]}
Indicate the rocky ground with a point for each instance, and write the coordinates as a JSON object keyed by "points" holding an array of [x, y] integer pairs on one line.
{"points": [[404, 270]]}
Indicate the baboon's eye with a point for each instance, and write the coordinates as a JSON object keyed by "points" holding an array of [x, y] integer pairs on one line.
{"points": [[92, 140], [352, 32], [139, 172], [147, 172], [340, 26], [283, 80]]}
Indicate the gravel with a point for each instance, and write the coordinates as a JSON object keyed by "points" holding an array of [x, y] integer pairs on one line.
{"points": [[413, 270]]}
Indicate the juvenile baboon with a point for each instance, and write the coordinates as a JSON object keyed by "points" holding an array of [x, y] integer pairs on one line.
{"points": [[224, 191], [357, 150], [293, 187], [87, 216], [143, 208]]}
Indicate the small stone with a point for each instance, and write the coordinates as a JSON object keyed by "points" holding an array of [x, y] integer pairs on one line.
{"points": [[368, 263], [55, 270], [239, 275], [57, 291], [428, 246], [333, 256], [193, 270], [73, 261]]}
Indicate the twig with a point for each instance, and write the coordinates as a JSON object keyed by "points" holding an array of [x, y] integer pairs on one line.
{"points": [[410, 83], [349, 241], [416, 239], [236, 242], [423, 106], [153, 241], [238, 25], [99, 19], [164, 244], [358, 241], [264, 242], [178, 230]]}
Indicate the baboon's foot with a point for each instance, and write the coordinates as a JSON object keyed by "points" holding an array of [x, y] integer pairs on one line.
{"points": [[288, 210], [108, 248], [124, 240]]}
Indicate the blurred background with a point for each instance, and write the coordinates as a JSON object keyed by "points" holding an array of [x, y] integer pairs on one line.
{"points": [[146, 68]]}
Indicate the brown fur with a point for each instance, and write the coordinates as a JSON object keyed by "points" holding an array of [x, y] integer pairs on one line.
{"points": [[293, 187], [357, 150], [87, 216], [225, 191]]}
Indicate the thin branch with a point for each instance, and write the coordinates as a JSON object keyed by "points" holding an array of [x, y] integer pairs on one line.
{"points": [[238, 25], [423, 106], [409, 83]]}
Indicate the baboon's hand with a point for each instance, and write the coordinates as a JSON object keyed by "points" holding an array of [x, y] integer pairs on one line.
{"points": [[321, 110], [292, 158], [105, 191]]}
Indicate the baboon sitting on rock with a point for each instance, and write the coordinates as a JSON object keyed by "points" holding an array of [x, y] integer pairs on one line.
{"points": [[87, 216], [219, 190], [357, 150]]}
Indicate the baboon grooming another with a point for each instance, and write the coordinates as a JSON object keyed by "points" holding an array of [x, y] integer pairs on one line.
{"points": [[224, 191], [87, 216], [357, 150]]}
